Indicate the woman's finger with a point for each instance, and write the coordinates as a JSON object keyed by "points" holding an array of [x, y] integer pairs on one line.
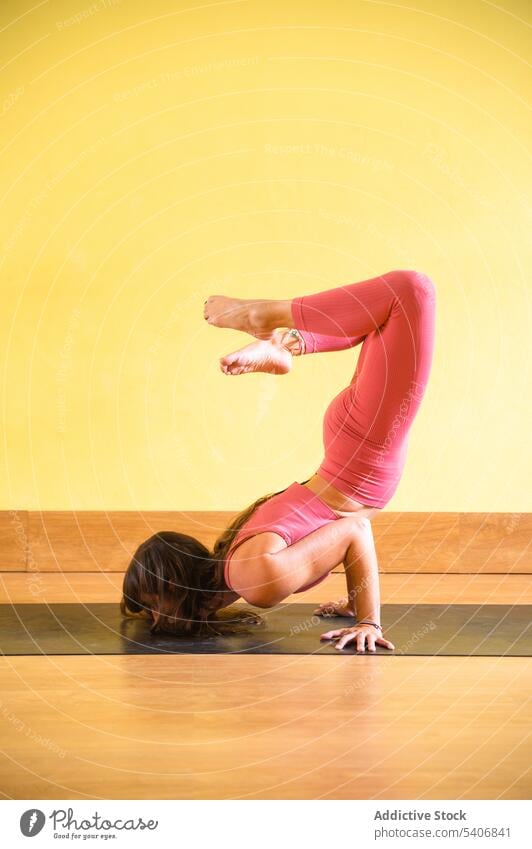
{"points": [[345, 639], [333, 635], [386, 643], [361, 642], [324, 608], [371, 642]]}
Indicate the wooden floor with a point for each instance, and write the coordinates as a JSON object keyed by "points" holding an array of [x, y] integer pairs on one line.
{"points": [[262, 726]]}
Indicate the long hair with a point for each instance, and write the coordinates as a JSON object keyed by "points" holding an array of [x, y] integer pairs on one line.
{"points": [[176, 577]]}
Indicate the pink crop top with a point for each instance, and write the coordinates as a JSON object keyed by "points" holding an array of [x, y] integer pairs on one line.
{"points": [[293, 513]]}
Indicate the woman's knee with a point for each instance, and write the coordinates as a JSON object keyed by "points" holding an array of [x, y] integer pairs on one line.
{"points": [[418, 284]]}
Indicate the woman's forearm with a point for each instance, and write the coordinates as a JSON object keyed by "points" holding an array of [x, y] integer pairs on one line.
{"points": [[362, 576]]}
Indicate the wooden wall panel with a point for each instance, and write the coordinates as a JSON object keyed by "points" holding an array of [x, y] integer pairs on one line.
{"points": [[454, 542], [95, 541], [495, 542], [14, 540], [416, 542]]}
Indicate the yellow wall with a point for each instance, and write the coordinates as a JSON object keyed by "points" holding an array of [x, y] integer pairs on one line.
{"points": [[156, 153]]}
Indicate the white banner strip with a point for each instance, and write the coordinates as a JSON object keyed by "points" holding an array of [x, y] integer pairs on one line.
{"points": [[266, 824]]}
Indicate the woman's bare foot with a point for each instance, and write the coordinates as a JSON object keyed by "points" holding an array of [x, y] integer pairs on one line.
{"points": [[265, 355], [259, 318]]}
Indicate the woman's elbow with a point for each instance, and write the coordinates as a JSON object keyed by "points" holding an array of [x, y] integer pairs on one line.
{"points": [[263, 597], [270, 590], [360, 527]]}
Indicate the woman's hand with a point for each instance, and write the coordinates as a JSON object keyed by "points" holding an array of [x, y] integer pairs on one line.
{"points": [[361, 634], [334, 608]]}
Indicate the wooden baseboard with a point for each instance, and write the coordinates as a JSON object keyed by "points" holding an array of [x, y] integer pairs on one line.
{"points": [[98, 541]]}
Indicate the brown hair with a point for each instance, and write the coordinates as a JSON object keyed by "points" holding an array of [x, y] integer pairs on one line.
{"points": [[177, 577]]}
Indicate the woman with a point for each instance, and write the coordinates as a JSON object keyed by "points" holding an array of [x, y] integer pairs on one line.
{"points": [[289, 541]]}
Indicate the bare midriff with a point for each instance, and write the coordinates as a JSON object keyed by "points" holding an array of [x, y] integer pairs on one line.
{"points": [[337, 501]]}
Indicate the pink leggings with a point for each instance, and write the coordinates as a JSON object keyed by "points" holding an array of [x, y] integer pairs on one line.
{"points": [[366, 426]]}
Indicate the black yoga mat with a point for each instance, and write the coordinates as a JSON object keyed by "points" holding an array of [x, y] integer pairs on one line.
{"points": [[417, 629]]}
